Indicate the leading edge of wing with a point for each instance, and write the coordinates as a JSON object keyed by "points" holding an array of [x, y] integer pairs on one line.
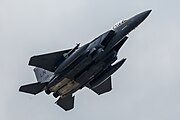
{"points": [[48, 61]]}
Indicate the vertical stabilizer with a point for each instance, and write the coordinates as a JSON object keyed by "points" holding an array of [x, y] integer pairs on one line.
{"points": [[42, 75]]}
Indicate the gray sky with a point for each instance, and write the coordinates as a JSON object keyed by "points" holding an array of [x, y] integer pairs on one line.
{"points": [[145, 88]]}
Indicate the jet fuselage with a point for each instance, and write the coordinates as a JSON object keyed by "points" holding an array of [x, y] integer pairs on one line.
{"points": [[91, 65], [90, 60]]}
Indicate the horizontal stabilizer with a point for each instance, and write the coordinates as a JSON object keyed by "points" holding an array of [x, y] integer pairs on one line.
{"points": [[106, 86], [33, 88], [48, 61], [66, 103]]}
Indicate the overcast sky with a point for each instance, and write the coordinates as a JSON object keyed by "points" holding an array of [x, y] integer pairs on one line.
{"points": [[145, 88]]}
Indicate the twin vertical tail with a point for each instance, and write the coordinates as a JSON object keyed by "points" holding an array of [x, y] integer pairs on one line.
{"points": [[43, 77]]}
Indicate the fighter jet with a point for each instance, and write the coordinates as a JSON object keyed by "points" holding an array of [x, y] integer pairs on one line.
{"points": [[91, 65]]}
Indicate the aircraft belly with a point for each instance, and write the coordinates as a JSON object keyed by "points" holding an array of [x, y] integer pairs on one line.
{"points": [[60, 84], [68, 88], [64, 86], [89, 73], [79, 68], [68, 83]]}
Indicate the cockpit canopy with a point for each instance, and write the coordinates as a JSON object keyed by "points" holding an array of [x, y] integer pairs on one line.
{"points": [[118, 24]]}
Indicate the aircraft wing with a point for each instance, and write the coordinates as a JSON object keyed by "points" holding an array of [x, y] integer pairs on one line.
{"points": [[48, 61]]}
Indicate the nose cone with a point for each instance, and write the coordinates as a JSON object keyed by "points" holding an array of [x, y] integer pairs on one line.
{"points": [[136, 20], [142, 16]]}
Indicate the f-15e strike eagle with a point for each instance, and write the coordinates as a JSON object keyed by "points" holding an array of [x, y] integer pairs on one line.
{"points": [[91, 65]]}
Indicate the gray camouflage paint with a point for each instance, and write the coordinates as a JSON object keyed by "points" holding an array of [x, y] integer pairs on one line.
{"points": [[146, 88]]}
